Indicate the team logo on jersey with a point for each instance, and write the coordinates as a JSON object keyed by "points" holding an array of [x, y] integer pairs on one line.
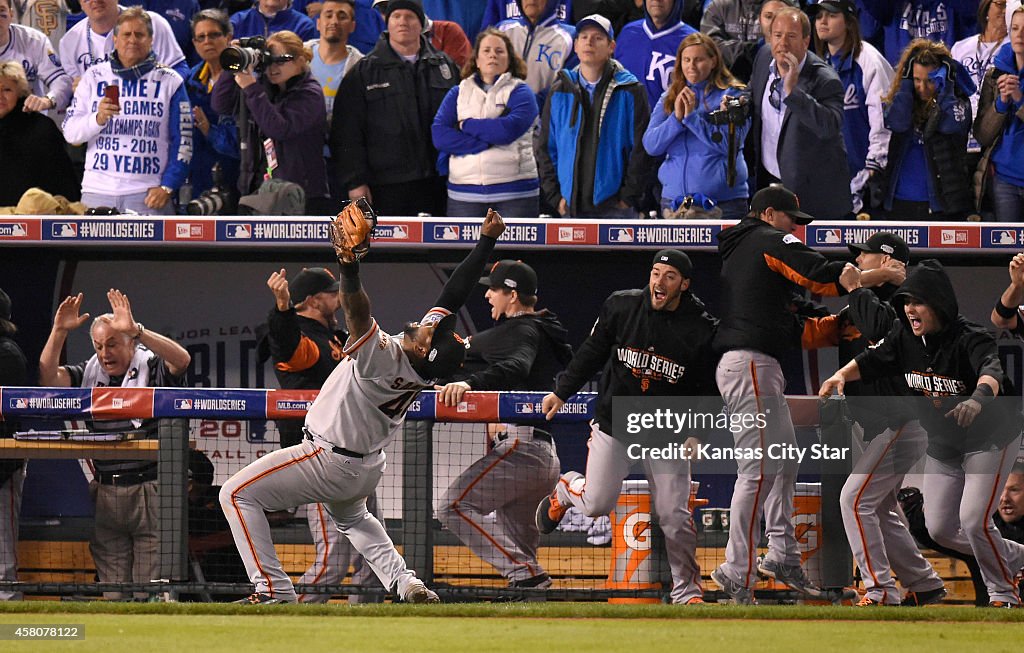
{"points": [[382, 340], [935, 385], [552, 56], [660, 68], [649, 366], [828, 236]]}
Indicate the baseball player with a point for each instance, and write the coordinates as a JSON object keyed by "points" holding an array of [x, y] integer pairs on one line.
{"points": [[972, 438], [359, 411], [878, 538], [668, 326], [305, 344], [523, 352], [762, 263]]}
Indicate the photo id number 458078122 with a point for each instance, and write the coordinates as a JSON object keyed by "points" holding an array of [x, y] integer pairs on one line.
{"points": [[41, 631]]}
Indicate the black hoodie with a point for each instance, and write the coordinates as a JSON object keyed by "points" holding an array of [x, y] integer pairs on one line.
{"points": [[520, 353], [644, 352], [762, 267], [944, 367]]}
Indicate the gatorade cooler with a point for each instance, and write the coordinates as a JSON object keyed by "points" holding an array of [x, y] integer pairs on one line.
{"points": [[807, 525], [635, 564]]}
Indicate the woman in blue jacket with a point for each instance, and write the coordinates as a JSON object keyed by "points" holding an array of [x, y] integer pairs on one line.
{"points": [[697, 151], [1000, 124], [483, 134]]}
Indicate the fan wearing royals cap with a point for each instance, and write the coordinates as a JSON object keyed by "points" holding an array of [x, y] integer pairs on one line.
{"points": [[669, 325], [359, 411], [524, 351]]}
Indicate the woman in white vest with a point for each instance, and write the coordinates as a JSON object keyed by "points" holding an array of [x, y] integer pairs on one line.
{"points": [[484, 134]]}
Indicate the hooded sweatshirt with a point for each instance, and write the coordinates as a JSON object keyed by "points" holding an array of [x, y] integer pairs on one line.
{"points": [[649, 52], [943, 368], [945, 21], [546, 46]]}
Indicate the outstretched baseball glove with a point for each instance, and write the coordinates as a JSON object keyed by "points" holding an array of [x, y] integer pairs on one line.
{"points": [[351, 230]]}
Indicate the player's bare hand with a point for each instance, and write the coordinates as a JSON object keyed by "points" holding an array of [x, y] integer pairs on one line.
{"points": [[493, 226], [123, 320], [835, 384], [691, 447], [452, 393], [278, 284], [897, 271], [965, 412], [849, 278], [1017, 270], [551, 404], [67, 318]]}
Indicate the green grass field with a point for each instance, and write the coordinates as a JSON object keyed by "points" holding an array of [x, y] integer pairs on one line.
{"points": [[569, 627]]}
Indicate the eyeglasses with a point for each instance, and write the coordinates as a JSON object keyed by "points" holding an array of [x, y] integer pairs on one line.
{"points": [[774, 94], [209, 36], [280, 58]]}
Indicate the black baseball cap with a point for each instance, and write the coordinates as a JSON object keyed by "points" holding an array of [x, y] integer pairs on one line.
{"points": [[512, 275], [677, 259], [780, 198], [447, 350], [310, 282], [838, 7], [884, 242]]}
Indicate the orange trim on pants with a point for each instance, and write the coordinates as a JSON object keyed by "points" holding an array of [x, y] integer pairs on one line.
{"points": [[477, 527], [327, 548], [856, 502], [989, 509], [241, 520]]}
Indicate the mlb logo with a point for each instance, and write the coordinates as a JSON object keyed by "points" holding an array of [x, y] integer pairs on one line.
{"points": [[19, 403], [117, 402], [400, 232], [828, 236], [953, 237], [1003, 237], [621, 235], [524, 409], [64, 230], [446, 232], [183, 404], [571, 234], [14, 230], [239, 230]]}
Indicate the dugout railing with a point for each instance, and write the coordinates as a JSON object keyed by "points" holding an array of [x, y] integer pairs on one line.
{"points": [[449, 437]]}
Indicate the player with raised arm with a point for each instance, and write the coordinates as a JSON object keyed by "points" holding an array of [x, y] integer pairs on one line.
{"points": [[359, 411]]}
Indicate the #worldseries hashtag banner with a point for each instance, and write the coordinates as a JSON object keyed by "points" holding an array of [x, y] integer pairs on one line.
{"points": [[307, 232], [145, 403]]}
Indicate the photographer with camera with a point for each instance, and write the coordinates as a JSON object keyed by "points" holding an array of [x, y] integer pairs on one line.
{"points": [[215, 136], [928, 111], [1000, 125], [698, 123], [282, 133]]}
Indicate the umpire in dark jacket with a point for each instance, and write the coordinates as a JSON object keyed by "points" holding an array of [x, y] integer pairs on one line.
{"points": [[380, 134], [797, 136]]}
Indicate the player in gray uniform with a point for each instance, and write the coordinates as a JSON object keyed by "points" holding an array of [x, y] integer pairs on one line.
{"points": [[359, 411], [522, 352]]}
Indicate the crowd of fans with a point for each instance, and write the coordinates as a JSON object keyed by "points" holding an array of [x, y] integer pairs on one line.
{"points": [[902, 109]]}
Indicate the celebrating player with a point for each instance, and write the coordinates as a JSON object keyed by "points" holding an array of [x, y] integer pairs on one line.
{"points": [[359, 411], [972, 437], [523, 352], [669, 325]]}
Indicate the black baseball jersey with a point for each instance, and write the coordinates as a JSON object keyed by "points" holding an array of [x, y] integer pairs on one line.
{"points": [[304, 351], [761, 268], [644, 352], [942, 369]]}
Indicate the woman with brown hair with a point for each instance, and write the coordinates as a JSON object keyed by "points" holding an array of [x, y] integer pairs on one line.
{"points": [[695, 144], [928, 111], [285, 130], [483, 132]]}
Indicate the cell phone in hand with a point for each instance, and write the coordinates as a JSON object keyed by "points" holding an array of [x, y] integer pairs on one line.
{"points": [[113, 93]]}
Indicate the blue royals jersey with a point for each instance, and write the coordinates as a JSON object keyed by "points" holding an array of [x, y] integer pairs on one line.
{"points": [[651, 56]]}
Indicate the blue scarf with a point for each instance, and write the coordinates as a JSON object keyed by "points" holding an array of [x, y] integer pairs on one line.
{"points": [[1006, 61], [135, 72]]}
